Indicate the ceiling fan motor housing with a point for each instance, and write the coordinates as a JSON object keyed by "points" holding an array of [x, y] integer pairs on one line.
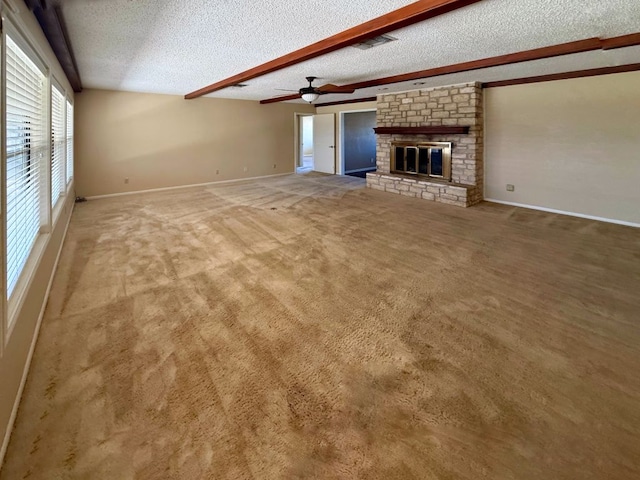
{"points": [[308, 89]]}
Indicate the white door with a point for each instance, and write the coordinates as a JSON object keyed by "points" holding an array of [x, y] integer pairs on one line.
{"points": [[324, 145]]}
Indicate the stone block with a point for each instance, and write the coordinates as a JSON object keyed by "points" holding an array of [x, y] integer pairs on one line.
{"points": [[461, 98], [408, 194], [428, 196]]}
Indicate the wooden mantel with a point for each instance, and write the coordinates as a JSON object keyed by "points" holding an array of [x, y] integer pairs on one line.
{"points": [[432, 130]]}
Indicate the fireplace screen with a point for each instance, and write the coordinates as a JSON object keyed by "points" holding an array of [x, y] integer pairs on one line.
{"points": [[431, 159]]}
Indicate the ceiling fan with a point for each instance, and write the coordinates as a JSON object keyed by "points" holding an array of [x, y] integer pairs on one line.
{"points": [[310, 93]]}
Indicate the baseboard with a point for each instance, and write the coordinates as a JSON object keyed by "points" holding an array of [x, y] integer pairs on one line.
{"points": [[178, 187], [34, 341], [368, 169], [562, 212]]}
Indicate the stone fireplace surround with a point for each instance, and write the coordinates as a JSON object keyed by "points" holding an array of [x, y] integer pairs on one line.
{"points": [[456, 105]]}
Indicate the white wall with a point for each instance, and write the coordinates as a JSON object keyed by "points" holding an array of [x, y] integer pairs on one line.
{"points": [[568, 145]]}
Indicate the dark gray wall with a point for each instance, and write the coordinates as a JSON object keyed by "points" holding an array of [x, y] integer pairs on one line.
{"points": [[359, 140]]}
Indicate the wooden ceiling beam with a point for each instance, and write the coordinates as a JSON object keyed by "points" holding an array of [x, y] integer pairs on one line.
{"points": [[525, 56], [591, 72], [400, 18], [50, 19], [621, 41], [579, 46]]}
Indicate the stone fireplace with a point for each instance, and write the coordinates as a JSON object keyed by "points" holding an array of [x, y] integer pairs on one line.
{"points": [[429, 144]]}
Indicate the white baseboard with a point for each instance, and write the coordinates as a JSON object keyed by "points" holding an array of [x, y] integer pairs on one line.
{"points": [[34, 340], [562, 212], [178, 187]]}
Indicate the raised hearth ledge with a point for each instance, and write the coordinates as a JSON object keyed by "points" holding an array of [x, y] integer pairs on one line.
{"points": [[428, 130], [438, 191]]}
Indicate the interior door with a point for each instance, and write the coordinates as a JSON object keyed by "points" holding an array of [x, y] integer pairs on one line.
{"points": [[324, 143]]}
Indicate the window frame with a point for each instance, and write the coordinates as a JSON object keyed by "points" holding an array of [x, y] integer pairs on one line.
{"points": [[13, 304]]}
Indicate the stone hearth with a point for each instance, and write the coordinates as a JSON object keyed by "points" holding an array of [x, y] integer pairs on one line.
{"points": [[456, 105]]}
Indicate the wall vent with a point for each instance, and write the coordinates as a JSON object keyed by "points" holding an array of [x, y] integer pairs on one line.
{"points": [[374, 42]]}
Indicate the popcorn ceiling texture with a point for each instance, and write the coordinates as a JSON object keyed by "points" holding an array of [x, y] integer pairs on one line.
{"points": [[457, 105], [177, 46]]}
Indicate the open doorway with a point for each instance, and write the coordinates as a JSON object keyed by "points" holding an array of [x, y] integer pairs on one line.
{"points": [[358, 143], [305, 144], [315, 143]]}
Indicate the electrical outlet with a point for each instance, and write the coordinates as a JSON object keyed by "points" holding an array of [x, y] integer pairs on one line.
{"points": [[510, 188], [274, 165], [126, 180], [245, 169]]}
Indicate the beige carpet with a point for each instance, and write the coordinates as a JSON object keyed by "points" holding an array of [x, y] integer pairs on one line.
{"points": [[305, 327]]}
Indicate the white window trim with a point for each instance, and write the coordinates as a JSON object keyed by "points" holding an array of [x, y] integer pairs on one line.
{"points": [[56, 208], [70, 182]]}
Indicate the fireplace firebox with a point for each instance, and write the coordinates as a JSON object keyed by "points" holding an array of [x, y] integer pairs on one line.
{"points": [[425, 159]]}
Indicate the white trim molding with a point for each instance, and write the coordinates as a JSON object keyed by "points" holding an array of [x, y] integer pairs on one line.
{"points": [[562, 212], [178, 187]]}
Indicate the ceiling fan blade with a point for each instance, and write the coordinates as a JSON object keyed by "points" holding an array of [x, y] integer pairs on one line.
{"points": [[331, 88], [281, 99]]}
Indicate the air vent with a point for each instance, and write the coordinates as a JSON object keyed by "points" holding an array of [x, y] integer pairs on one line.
{"points": [[374, 42], [239, 85]]}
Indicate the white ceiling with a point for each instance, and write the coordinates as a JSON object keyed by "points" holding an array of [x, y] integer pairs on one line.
{"points": [[177, 46]]}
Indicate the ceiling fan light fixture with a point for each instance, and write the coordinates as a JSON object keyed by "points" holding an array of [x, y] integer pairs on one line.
{"points": [[309, 96]]}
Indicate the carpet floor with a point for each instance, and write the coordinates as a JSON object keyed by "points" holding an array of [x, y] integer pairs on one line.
{"points": [[305, 327]]}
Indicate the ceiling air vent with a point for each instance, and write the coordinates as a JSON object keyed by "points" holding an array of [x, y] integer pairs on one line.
{"points": [[239, 85], [374, 42]]}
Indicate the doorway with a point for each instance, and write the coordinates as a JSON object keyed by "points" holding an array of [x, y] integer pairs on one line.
{"points": [[305, 144], [315, 143], [358, 143]]}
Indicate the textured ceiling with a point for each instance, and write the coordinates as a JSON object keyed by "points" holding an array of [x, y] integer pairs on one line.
{"points": [[177, 46]]}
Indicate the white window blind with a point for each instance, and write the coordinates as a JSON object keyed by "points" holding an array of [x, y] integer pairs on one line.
{"points": [[26, 154], [58, 141], [69, 141]]}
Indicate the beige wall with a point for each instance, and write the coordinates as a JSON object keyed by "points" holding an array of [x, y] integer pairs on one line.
{"points": [[336, 110], [15, 345], [569, 145], [161, 141]]}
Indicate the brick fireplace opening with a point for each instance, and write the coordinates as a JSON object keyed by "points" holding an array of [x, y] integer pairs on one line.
{"points": [[410, 123]]}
